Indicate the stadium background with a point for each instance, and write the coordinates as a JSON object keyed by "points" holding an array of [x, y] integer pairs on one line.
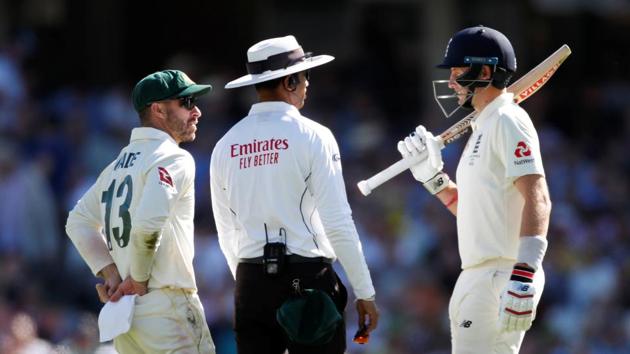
{"points": [[67, 68]]}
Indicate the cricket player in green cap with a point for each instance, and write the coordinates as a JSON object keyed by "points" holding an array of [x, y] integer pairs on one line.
{"points": [[134, 226]]}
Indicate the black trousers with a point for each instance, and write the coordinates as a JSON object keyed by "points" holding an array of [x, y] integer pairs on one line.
{"points": [[258, 296]]}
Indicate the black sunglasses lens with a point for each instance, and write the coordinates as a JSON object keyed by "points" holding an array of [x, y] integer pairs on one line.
{"points": [[188, 102]]}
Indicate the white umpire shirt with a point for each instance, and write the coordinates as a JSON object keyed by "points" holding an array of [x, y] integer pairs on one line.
{"points": [[503, 147], [148, 189], [280, 169]]}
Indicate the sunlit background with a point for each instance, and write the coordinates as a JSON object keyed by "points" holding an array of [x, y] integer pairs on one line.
{"points": [[67, 68]]}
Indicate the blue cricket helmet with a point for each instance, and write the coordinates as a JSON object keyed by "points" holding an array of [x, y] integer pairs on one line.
{"points": [[479, 45], [475, 47]]}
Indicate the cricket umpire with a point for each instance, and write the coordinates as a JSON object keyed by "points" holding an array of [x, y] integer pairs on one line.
{"points": [[501, 199], [281, 211], [136, 222]]}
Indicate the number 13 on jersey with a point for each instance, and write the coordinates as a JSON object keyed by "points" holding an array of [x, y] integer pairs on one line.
{"points": [[124, 190]]}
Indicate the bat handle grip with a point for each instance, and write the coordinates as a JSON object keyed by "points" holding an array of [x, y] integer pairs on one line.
{"points": [[364, 187], [367, 186]]}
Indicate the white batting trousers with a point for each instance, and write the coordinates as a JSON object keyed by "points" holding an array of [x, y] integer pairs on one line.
{"points": [[167, 321], [474, 309]]}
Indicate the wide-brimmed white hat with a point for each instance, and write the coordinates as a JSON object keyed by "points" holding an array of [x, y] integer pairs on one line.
{"points": [[274, 58]]}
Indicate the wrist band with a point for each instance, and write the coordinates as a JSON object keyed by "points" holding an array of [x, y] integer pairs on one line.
{"points": [[532, 250], [437, 183], [522, 274]]}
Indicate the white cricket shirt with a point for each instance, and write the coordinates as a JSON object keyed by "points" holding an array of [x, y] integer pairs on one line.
{"points": [[148, 189], [503, 146], [278, 168]]}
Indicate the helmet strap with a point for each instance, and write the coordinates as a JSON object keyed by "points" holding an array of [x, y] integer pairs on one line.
{"points": [[470, 79], [468, 103], [501, 78]]}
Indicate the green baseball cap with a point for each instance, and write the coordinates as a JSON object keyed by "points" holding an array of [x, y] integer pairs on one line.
{"points": [[311, 319], [163, 85]]}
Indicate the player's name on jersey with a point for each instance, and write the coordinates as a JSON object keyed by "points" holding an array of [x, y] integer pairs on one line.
{"points": [[126, 160]]}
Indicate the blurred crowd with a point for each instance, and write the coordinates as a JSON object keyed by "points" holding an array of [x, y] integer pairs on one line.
{"points": [[53, 145]]}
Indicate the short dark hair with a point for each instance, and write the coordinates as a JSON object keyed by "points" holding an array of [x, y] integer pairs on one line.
{"points": [[144, 114], [269, 85]]}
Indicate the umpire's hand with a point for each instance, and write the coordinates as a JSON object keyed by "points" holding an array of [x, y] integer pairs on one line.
{"points": [[368, 314]]}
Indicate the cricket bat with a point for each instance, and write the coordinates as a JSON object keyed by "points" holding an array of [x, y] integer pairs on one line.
{"points": [[522, 89]]}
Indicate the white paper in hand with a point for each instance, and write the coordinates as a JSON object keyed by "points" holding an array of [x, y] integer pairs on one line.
{"points": [[115, 317]]}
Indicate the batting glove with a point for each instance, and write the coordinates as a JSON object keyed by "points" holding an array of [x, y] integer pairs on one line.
{"points": [[517, 310], [429, 170]]}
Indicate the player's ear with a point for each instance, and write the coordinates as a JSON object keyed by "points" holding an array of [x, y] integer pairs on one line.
{"points": [[486, 73], [157, 108]]}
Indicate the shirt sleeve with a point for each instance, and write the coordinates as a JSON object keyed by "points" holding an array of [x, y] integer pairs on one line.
{"points": [[328, 189], [518, 147], [223, 216], [165, 180], [84, 228]]}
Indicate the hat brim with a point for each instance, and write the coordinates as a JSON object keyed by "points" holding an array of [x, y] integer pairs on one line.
{"points": [[270, 75], [310, 319], [195, 90]]}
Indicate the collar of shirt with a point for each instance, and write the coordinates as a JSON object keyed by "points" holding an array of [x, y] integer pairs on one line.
{"points": [[273, 106], [145, 133], [491, 107]]}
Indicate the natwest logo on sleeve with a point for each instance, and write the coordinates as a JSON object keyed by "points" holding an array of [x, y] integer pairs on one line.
{"points": [[522, 150]]}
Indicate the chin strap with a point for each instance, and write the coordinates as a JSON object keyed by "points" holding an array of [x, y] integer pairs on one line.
{"points": [[501, 78], [470, 80], [468, 104]]}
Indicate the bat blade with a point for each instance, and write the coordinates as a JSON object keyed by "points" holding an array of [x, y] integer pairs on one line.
{"points": [[522, 89]]}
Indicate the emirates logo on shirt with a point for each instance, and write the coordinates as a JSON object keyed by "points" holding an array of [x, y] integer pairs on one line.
{"points": [[522, 150], [258, 152], [165, 177]]}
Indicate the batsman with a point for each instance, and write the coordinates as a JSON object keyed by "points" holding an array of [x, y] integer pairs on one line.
{"points": [[501, 200]]}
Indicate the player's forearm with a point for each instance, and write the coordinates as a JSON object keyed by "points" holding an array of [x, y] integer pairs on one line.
{"points": [[536, 210], [535, 219], [143, 249], [89, 242], [449, 197]]}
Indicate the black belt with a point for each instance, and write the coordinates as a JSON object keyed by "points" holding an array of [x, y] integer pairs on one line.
{"points": [[292, 258]]}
